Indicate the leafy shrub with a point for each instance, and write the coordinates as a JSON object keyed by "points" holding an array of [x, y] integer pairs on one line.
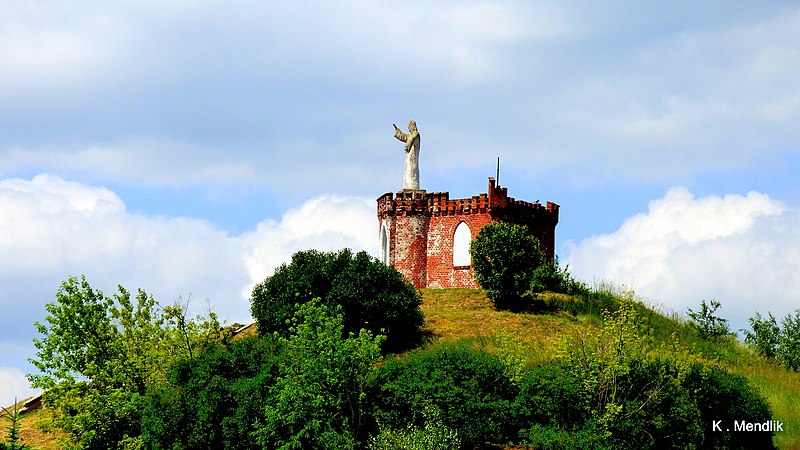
{"points": [[434, 435], [650, 409], [468, 386], [504, 257], [707, 325], [372, 295], [551, 396], [723, 398], [788, 350], [773, 341], [317, 401], [655, 410], [301, 391], [212, 401], [764, 336], [542, 437], [550, 277]]}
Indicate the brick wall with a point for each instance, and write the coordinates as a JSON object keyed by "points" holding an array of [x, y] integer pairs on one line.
{"points": [[421, 227], [442, 228]]}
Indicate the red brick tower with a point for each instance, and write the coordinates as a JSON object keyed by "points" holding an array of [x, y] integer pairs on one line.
{"points": [[422, 235]]}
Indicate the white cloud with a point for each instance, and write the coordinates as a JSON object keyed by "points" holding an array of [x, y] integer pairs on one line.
{"points": [[741, 250], [13, 386], [51, 228], [324, 223], [54, 227]]}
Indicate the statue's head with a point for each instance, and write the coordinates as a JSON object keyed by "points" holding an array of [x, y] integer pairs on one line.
{"points": [[412, 126]]}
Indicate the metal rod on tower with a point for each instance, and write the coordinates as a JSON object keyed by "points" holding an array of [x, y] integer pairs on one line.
{"points": [[497, 176]]}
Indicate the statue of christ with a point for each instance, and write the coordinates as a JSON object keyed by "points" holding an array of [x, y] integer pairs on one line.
{"points": [[411, 172]]}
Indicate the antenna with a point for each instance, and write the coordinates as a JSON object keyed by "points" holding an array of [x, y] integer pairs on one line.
{"points": [[497, 177]]}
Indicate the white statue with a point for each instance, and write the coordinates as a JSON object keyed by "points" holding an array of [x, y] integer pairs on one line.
{"points": [[411, 173]]}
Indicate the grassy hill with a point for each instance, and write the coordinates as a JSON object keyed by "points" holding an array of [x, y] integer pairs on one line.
{"points": [[466, 314]]}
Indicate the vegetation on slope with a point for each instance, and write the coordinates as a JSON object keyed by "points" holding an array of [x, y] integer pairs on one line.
{"points": [[596, 369], [467, 316]]}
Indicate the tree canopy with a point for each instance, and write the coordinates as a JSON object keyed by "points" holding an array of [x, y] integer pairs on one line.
{"points": [[504, 257], [99, 354], [372, 296]]}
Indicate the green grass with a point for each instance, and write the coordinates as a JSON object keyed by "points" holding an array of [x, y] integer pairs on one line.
{"points": [[467, 316]]}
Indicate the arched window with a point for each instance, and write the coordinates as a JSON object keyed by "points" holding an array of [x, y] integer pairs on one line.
{"points": [[461, 239], [384, 236]]}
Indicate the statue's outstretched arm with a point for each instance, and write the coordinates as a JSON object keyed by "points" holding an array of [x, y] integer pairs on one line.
{"points": [[399, 134]]}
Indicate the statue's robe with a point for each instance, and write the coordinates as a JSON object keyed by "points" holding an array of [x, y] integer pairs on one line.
{"points": [[411, 172]]}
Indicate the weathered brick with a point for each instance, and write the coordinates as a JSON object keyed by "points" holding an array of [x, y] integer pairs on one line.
{"points": [[420, 227]]}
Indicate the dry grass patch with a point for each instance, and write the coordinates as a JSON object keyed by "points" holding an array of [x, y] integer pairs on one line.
{"points": [[452, 314], [31, 432]]}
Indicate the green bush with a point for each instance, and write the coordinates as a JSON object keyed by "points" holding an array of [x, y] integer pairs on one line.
{"points": [[372, 295], [318, 399], [301, 391], [552, 411], [504, 257], [764, 336], [773, 341], [469, 387], [213, 400], [788, 350], [542, 437], [723, 398], [551, 396], [434, 435], [550, 277], [656, 411], [708, 325]]}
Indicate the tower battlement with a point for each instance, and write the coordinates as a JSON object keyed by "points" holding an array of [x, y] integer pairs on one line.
{"points": [[420, 235]]}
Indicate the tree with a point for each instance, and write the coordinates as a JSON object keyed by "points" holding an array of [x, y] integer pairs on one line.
{"points": [[317, 401], [788, 350], [774, 341], [99, 354], [213, 400], [372, 296], [13, 440], [504, 257], [303, 390], [707, 325], [764, 336]]}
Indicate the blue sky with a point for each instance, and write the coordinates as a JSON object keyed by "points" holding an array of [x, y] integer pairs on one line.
{"points": [[189, 148]]}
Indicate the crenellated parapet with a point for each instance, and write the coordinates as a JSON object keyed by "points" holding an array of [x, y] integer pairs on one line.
{"points": [[417, 230], [495, 202]]}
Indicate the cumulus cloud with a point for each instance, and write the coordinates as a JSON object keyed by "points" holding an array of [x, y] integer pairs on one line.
{"points": [[51, 228], [325, 223], [739, 249]]}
